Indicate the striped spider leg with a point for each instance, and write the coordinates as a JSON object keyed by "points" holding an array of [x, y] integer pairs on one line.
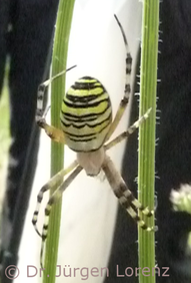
{"points": [[87, 125], [54, 133]]}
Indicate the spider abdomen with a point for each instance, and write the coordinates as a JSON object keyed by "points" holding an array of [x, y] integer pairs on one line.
{"points": [[86, 115]]}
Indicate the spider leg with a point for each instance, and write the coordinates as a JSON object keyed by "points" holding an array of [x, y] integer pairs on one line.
{"points": [[129, 131], [49, 185], [124, 102], [41, 92], [55, 134], [124, 195], [52, 200]]}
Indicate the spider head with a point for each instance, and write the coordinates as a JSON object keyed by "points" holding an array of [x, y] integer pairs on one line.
{"points": [[91, 161]]}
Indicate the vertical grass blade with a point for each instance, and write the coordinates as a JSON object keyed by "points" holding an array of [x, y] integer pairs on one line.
{"points": [[146, 165], [59, 60]]}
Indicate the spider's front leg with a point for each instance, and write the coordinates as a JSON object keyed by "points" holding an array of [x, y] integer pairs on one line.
{"points": [[52, 200], [124, 195], [56, 179]]}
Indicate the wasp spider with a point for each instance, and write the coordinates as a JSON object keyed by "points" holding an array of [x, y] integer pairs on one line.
{"points": [[87, 125]]}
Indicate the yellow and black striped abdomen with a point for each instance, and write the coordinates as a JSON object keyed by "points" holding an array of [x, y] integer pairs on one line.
{"points": [[86, 115]]}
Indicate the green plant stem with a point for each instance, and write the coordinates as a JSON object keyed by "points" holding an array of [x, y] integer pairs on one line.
{"points": [[146, 165], [60, 50]]}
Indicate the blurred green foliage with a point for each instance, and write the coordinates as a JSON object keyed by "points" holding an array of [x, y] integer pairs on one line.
{"points": [[4, 122]]}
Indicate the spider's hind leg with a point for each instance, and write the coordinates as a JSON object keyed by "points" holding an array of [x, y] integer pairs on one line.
{"points": [[127, 90], [128, 132], [54, 133]]}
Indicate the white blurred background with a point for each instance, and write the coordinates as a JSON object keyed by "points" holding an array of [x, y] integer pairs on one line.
{"points": [[89, 206]]}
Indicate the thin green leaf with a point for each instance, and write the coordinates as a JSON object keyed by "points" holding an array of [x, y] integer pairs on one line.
{"points": [[60, 50], [146, 166]]}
